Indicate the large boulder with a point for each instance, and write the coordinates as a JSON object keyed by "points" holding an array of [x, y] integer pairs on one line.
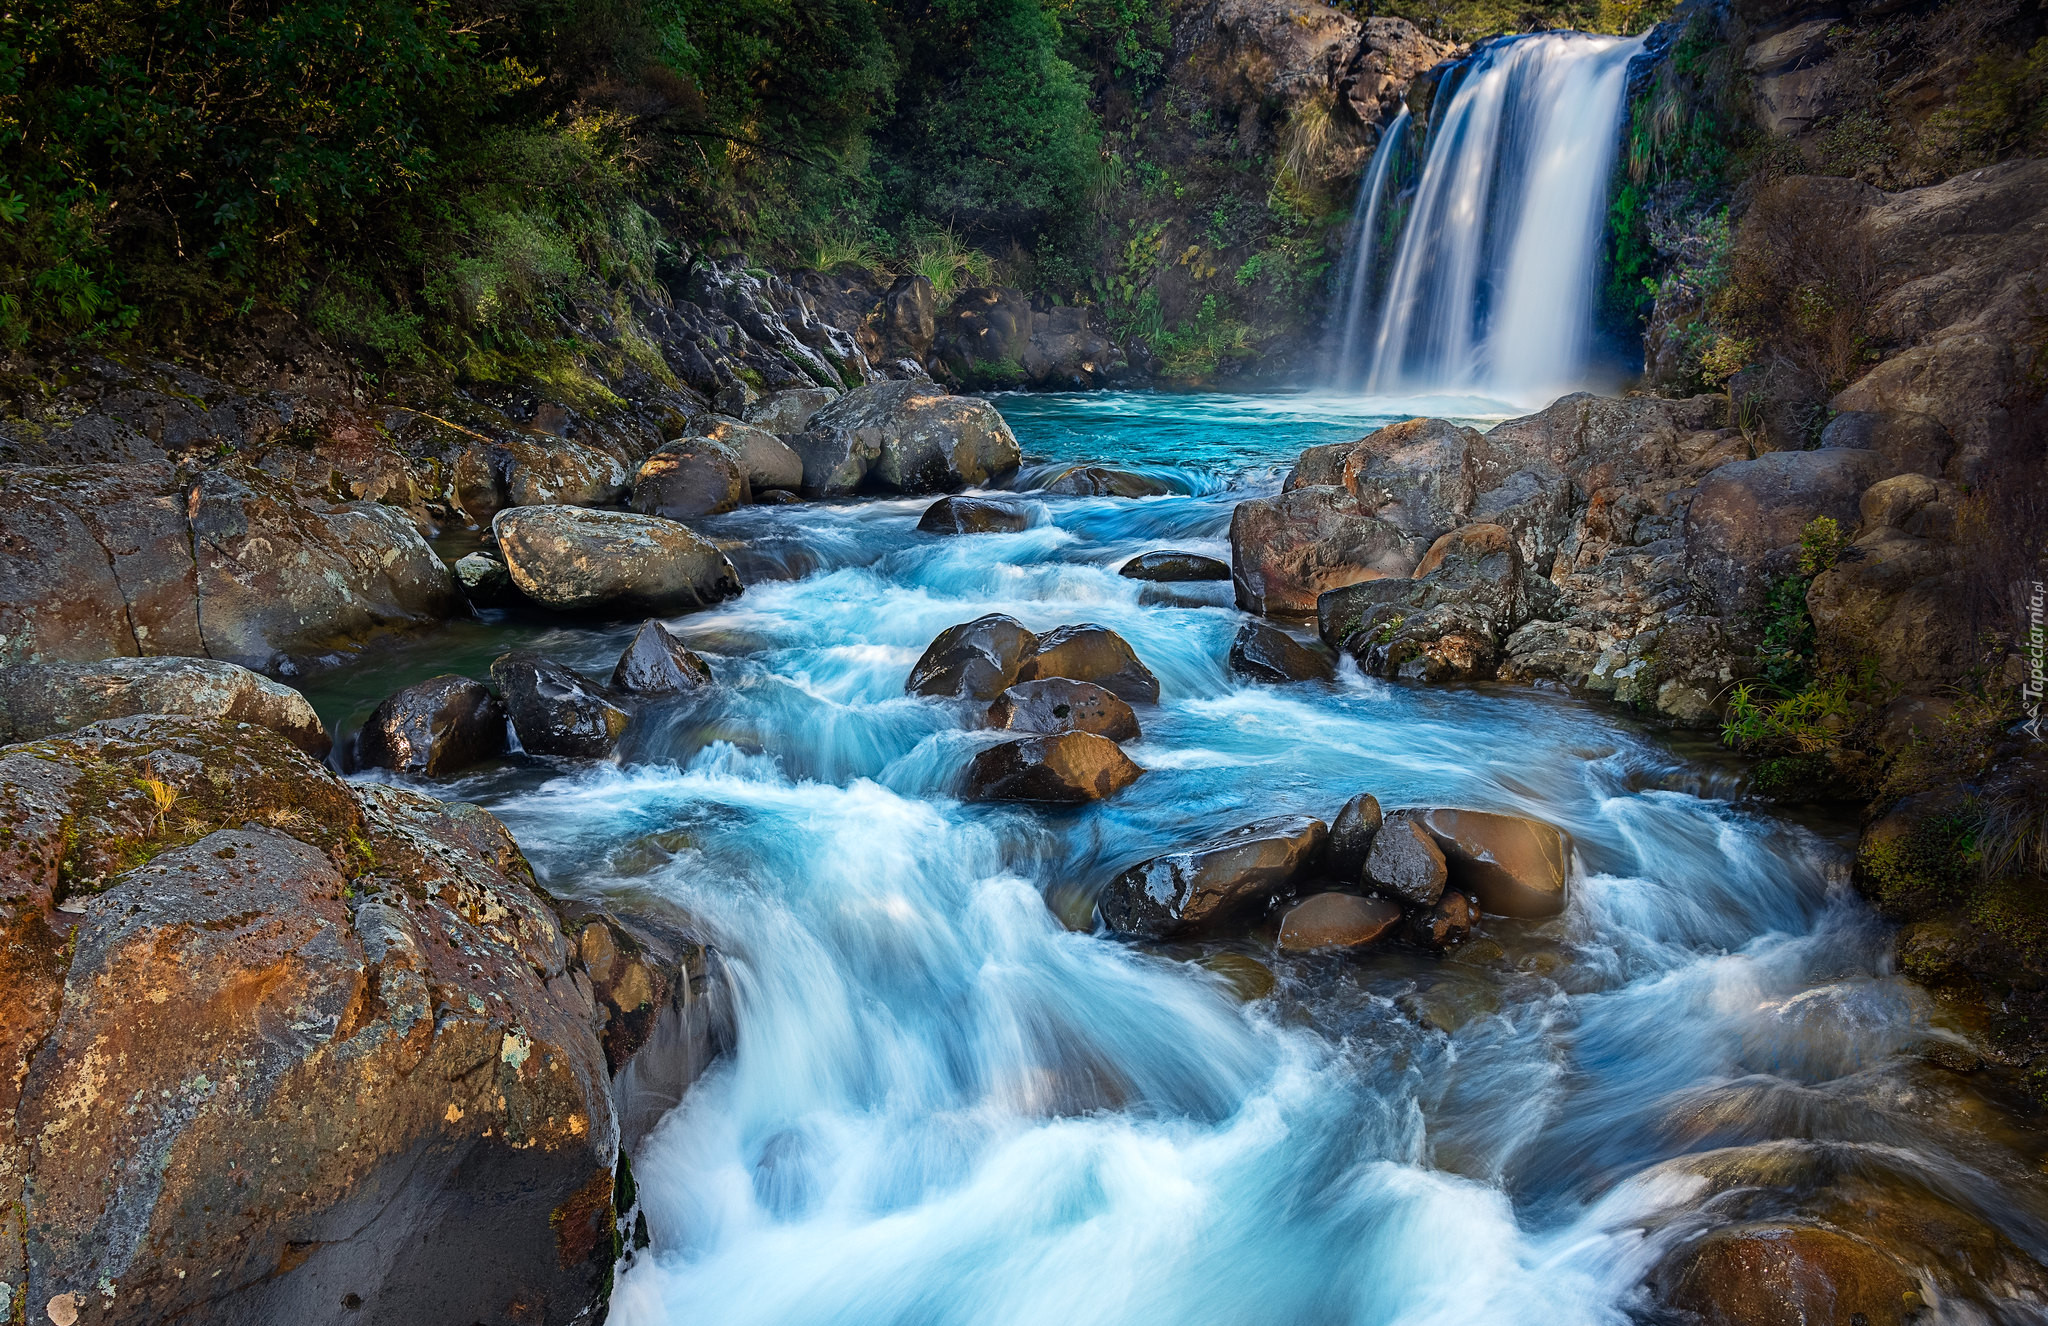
{"points": [[433, 727], [907, 437], [487, 476], [574, 560], [1264, 652], [1201, 888], [1174, 567], [998, 338], [1895, 594], [38, 699], [1744, 523], [1336, 920], [1783, 1273], [555, 711], [1406, 861], [1450, 622], [765, 459], [972, 515], [1514, 865], [1908, 443], [1285, 551], [1090, 653], [1068, 768], [791, 411], [657, 663], [975, 660], [332, 1066], [693, 476], [1060, 705]]}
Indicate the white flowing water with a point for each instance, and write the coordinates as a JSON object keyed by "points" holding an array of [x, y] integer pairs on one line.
{"points": [[1494, 274], [943, 1107]]}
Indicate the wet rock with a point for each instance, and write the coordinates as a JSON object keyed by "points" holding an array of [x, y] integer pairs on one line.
{"points": [[1174, 567], [1450, 622], [554, 711], [1336, 920], [1247, 979], [1100, 481], [485, 581], [1405, 860], [1071, 767], [1264, 652], [908, 437], [1446, 924], [1060, 705], [1744, 524], [975, 660], [776, 497], [765, 460], [1090, 653], [352, 1016], [657, 663], [574, 560], [434, 727], [1287, 550], [1351, 835], [1787, 1274], [1199, 889], [789, 411], [691, 477], [1514, 866], [37, 699], [972, 515]]}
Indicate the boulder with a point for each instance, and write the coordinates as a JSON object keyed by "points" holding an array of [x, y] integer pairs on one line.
{"points": [[1405, 860], [1090, 653], [558, 472], [343, 1044], [907, 437], [972, 515], [995, 338], [1513, 865], [574, 560], [1287, 550], [1058, 704], [1197, 890], [789, 411], [765, 460], [1907, 443], [1783, 1273], [1744, 523], [1351, 835], [1450, 622], [975, 660], [554, 711], [38, 699], [1099, 481], [1174, 567], [1336, 920], [1067, 768], [694, 476], [485, 581], [433, 728], [1264, 652], [1446, 924], [657, 663]]}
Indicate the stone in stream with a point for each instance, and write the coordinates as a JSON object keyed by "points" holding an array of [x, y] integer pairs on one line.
{"points": [[972, 515], [1058, 704], [554, 711], [575, 560], [433, 727], [975, 660], [1514, 866], [1199, 889], [694, 476], [1406, 861], [1100, 481], [657, 663], [1351, 835], [766, 461], [1174, 567], [1264, 652], [1446, 924], [1287, 550], [909, 437], [1336, 920], [38, 699], [1246, 978], [1071, 767], [1088, 652], [485, 581], [1787, 1273], [789, 411]]}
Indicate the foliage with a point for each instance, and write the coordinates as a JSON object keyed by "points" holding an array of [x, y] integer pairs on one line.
{"points": [[940, 257]]}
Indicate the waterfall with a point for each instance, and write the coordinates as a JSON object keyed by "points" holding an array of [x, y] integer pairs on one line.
{"points": [[1493, 279], [1354, 297]]}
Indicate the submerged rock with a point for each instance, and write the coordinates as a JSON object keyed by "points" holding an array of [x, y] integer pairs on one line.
{"points": [[657, 663], [975, 660], [1351, 835], [1247, 979], [433, 727], [1100, 481], [1264, 652], [1091, 653], [1514, 866], [1198, 889], [1787, 1274], [1060, 705], [1071, 767], [1406, 861], [1174, 567], [38, 699], [695, 476], [1336, 920], [575, 560], [554, 711], [972, 515], [1446, 924]]}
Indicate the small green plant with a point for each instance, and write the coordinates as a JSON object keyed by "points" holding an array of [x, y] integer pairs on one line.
{"points": [[839, 248], [939, 256]]}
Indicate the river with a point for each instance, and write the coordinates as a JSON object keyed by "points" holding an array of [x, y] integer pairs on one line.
{"points": [[949, 1107]]}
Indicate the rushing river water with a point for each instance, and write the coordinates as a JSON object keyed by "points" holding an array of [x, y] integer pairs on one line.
{"points": [[948, 1108]]}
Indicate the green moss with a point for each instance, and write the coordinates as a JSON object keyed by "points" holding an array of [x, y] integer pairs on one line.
{"points": [[1923, 868]]}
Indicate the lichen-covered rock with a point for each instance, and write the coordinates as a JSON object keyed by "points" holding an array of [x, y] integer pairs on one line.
{"points": [[326, 1067], [695, 476], [485, 581], [1336, 920], [433, 727], [1060, 705], [1174, 567], [1287, 550], [1406, 861], [764, 458], [972, 515], [1203, 887], [38, 699], [488, 476], [791, 411], [1090, 653], [906, 437], [657, 663], [555, 711], [1067, 768], [1264, 652], [975, 660], [1450, 622], [576, 560]]}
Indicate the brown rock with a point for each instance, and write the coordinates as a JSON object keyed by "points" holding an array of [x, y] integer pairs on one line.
{"points": [[1336, 920], [1351, 835], [975, 660], [657, 663], [694, 476], [1201, 888], [1174, 567], [558, 472], [1287, 550], [575, 560], [972, 515], [554, 710], [1057, 704], [38, 699], [1071, 767], [1744, 524], [434, 727], [909, 437], [1786, 1274], [1514, 866], [1264, 652], [1446, 924], [1090, 653], [1406, 861], [1100, 481]]}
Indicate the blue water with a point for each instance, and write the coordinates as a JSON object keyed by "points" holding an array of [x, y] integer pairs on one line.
{"points": [[949, 1105]]}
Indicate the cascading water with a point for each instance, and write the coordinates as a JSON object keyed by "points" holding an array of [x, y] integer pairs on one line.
{"points": [[1492, 280]]}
